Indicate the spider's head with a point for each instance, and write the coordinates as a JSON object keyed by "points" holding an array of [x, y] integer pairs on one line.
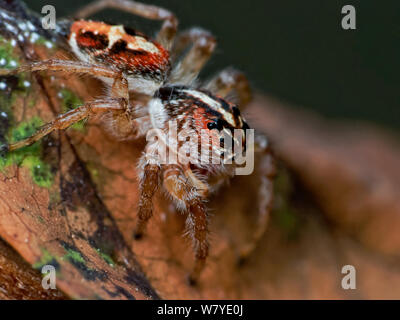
{"points": [[199, 112]]}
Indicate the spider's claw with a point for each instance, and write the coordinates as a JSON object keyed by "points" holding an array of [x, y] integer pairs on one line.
{"points": [[192, 281], [140, 229], [193, 278], [244, 254], [241, 261]]}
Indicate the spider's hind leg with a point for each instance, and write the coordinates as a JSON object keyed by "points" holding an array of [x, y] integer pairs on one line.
{"points": [[202, 43], [67, 66], [231, 80], [117, 103], [68, 119], [265, 173]]}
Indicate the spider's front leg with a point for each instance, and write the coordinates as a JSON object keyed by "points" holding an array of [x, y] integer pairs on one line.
{"points": [[189, 195], [203, 45], [197, 225], [148, 184], [168, 30]]}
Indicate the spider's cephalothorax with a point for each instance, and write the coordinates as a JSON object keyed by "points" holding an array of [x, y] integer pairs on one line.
{"points": [[162, 72]]}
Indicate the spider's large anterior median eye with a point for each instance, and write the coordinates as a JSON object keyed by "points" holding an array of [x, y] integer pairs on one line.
{"points": [[215, 125], [211, 125]]}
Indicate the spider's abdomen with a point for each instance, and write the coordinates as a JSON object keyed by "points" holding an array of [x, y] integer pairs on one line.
{"points": [[123, 48]]}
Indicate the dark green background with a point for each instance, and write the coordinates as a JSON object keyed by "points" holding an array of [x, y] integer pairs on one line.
{"points": [[296, 50]]}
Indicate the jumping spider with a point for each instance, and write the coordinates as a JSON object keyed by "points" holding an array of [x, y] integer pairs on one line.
{"points": [[162, 71]]}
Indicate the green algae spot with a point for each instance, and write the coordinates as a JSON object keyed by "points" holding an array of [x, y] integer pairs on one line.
{"points": [[6, 102], [17, 86], [73, 256], [9, 60], [78, 261], [40, 219], [70, 101], [31, 103], [45, 259], [29, 157], [7, 53], [45, 42], [106, 258], [55, 199], [93, 171], [18, 89], [41, 172]]}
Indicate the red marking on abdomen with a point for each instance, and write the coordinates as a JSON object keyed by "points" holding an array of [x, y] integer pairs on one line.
{"points": [[138, 59], [93, 26], [90, 40], [91, 35]]}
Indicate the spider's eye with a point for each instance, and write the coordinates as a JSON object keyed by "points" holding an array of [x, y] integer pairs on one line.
{"points": [[215, 125], [211, 125]]}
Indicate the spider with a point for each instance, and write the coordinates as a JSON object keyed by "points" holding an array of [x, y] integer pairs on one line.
{"points": [[149, 83]]}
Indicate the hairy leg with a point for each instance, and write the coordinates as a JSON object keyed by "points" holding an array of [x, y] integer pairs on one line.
{"points": [[69, 118], [266, 173], [168, 30], [203, 44], [231, 80], [120, 87], [197, 224], [188, 197], [63, 66], [148, 185]]}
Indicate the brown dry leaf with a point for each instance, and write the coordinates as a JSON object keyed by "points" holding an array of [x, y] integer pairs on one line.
{"points": [[50, 211], [351, 169], [83, 219], [18, 280]]}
